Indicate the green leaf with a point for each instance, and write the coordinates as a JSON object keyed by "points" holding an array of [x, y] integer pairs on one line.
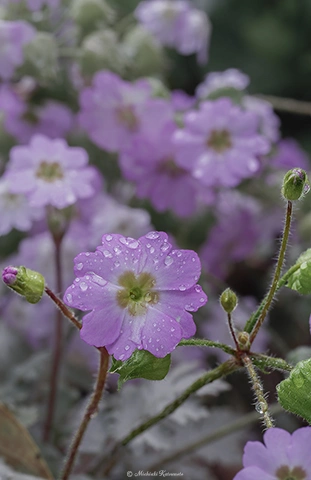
{"points": [[300, 280], [294, 392], [141, 364]]}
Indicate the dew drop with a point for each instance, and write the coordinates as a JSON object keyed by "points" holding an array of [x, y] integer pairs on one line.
{"points": [[198, 289], [151, 249], [127, 347], [69, 298], [133, 244], [98, 280], [202, 300], [79, 266], [117, 250], [107, 254], [121, 356], [182, 288], [165, 247], [154, 324], [150, 340], [168, 261], [193, 259], [87, 254], [148, 297], [108, 238], [152, 235], [179, 254], [117, 264], [83, 286], [259, 407], [172, 329], [190, 308], [158, 329]]}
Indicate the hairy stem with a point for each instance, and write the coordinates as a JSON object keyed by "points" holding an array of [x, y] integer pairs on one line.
{"points": [[263, 362], [261, 402], [232, 331], [276, 276], [63, 308], [57, 349], [221, 371], [90, 411], [198, 342]]}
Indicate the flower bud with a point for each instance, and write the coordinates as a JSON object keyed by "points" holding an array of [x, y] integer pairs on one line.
{"points": [[228, 300], [41, 57], [295, 184], [101, 51], [243, 341], [144, 54], [25, 282], [91, 14]]}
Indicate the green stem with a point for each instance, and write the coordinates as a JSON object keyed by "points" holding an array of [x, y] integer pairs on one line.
{"points": [[263, 362], [221, 432], [221, 371], [198, 342], [282, 282], [90, 411], [261, 402], [276, 276]]}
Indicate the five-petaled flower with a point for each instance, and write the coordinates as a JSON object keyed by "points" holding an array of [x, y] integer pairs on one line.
{"points": [[140, 293], [283, 457]]}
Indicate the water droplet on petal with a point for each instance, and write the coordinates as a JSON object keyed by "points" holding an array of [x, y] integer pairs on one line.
{"points": [[107, 254], [127, 347], [306, 188], [193, 259], [98, 280], [153, 235], [83, 286], [117, 250], [172, 329], [202, 300], [182, 288], [79, 266], [117, 264], [151, 250], [198, 289], [133, 244], [165, 247], [108, 238], [121, 356], [168, 261], [69, 298], [179, 254]]}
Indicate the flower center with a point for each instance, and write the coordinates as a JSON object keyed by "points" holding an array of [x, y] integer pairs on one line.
{"points": [[127, 117], [219, 140], [169, 167], [285, 473], [137, 292], [30, 117], [49, 171]]}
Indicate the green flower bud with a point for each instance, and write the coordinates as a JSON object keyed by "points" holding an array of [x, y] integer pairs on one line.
{"points": [[144, 54], [25, 282], [101, 50], [91, 14], [41, 57], [228, 300], [243, 341], [295, 184]]}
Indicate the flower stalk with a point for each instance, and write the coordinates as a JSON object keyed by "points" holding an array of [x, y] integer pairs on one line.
{"points": [[90, 411]]}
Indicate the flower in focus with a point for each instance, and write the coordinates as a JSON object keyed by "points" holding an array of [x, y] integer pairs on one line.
{"points": [[219, 81], [140, 293], [13, 37], [177, 25], [283, 456], [49, 172], [223, 142], [110, 109]]}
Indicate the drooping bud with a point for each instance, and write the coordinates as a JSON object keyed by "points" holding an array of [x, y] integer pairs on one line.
{"points": [[295, 184], [243, 341], [228, 300], [25, 282]]}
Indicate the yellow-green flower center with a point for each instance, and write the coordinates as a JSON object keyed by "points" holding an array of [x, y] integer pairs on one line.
{"points": [[169, 167], [219, 140], [285, 473], [49, 171], [137, 292]]}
